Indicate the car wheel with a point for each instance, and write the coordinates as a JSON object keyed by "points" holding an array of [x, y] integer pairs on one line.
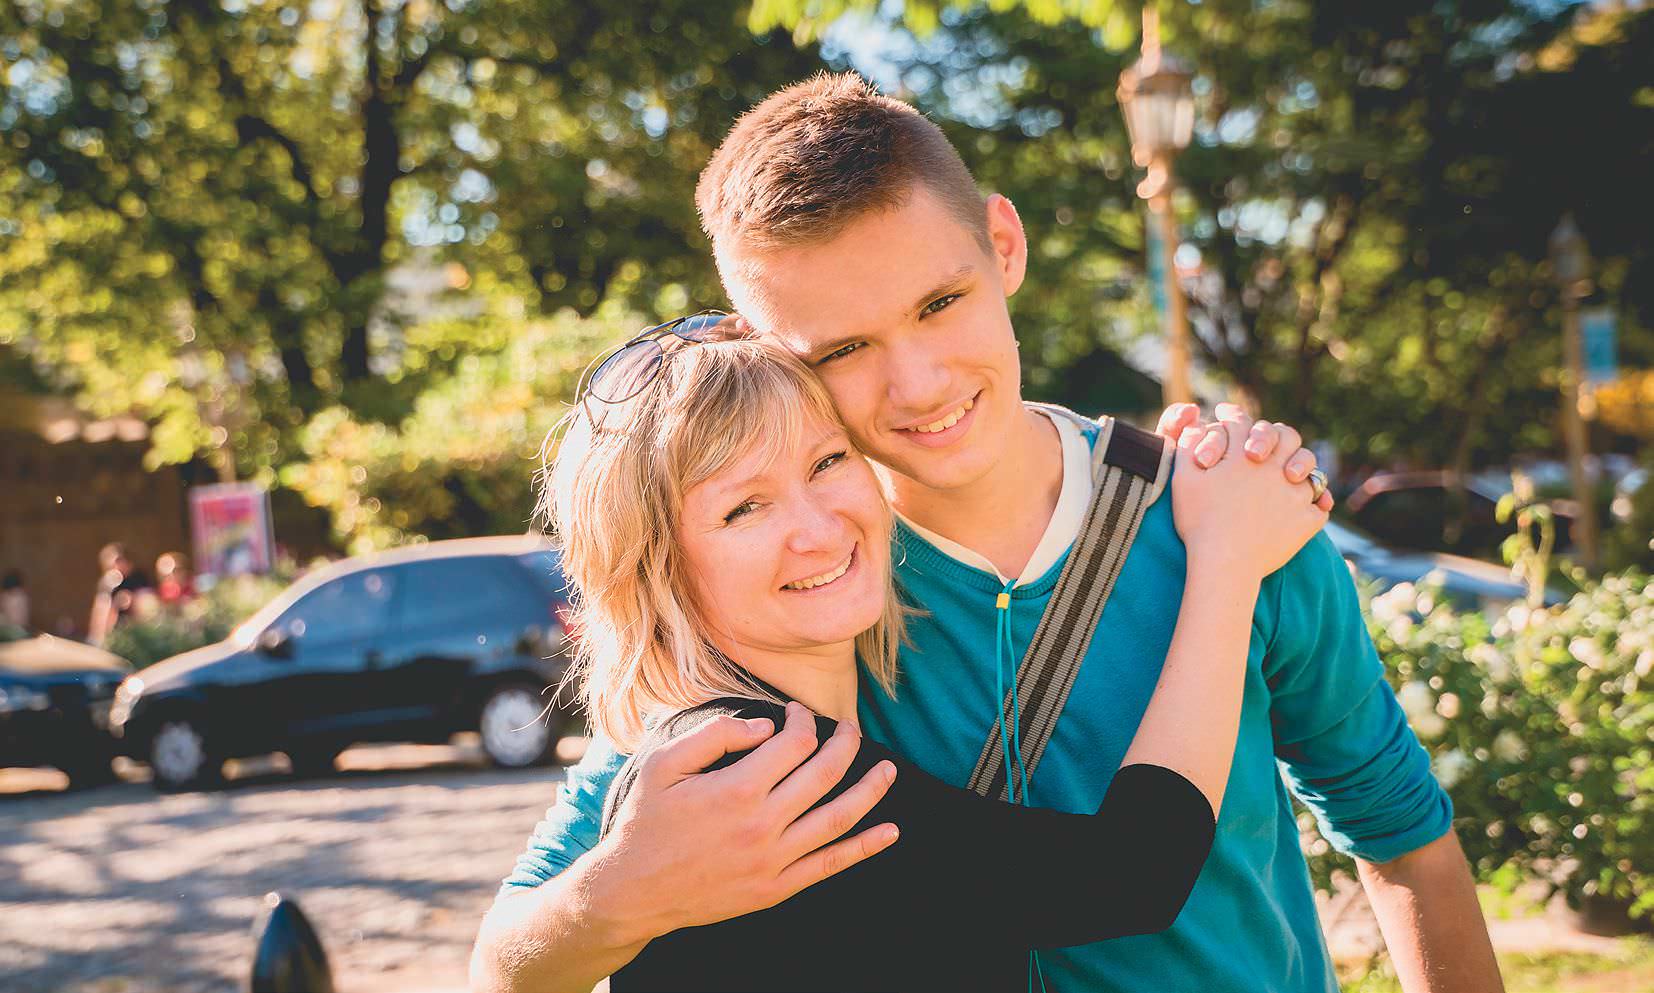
{"points": [[516, 729], [180, 758], [313, 763]]}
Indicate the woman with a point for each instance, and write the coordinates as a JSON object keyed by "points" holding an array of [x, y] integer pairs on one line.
{"points": [[732, 556]]}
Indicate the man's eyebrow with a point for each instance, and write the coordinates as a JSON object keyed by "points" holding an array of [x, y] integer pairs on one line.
{"points": [[947, 283]]}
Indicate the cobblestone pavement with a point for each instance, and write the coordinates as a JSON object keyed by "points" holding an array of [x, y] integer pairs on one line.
{"points": [[122, 890]]}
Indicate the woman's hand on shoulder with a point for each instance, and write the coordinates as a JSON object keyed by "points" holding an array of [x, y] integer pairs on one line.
{"points": [[1244, 515]]}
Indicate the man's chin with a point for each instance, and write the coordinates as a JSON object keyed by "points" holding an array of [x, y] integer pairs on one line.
{"points": [[940, 471]]}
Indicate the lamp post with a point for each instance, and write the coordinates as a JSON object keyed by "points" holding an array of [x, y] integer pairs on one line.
{"points": [[1157, 97], [1570, 266]]}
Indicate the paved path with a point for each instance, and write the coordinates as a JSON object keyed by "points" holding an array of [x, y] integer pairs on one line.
{"points": [[122, 890], [119, 890]]}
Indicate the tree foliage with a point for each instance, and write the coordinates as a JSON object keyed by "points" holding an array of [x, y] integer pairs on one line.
{"points": [[285, 232], [1370, 189], [201, 200]]}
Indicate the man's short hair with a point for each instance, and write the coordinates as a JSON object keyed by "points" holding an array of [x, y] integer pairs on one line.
{"points": [[812, 158]]}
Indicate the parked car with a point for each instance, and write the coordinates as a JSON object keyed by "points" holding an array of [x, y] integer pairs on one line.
{"points": [[411, 645], [1418, 509], [1467, 582], [55, 697]]}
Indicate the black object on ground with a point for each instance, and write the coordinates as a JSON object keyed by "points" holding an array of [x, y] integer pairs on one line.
{"points": [[288, 957]]}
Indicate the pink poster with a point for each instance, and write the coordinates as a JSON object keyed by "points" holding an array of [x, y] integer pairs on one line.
{"points": [[230, 523]]}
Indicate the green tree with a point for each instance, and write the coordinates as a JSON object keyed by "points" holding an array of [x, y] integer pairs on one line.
{"points": [[1370, 190], [201, 200]]}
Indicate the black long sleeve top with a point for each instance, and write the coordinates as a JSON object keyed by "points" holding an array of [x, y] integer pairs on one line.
{"points": [[957, 902]]}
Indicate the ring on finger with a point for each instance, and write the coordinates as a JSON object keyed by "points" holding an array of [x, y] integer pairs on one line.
{"points": [[1317, 485]]}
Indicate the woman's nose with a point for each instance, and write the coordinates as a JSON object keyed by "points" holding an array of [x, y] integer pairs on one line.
{"points": [[818, 526]]}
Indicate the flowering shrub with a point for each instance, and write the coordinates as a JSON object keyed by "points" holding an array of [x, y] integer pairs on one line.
{"points": [[1540, 724]]}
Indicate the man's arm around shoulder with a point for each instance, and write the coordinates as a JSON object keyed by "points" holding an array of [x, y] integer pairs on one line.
{"points": [[687, 848], [552, 938]]}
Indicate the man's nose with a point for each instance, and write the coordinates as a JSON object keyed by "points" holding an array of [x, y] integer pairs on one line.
{"points": [[917, 378]]}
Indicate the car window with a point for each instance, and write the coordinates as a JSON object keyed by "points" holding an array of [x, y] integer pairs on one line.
{"points": [[352, 606], [457, 590], [1411, 518], [547, 569]]}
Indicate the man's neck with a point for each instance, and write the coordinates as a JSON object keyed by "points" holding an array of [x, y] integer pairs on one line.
{"points": [[1004, 514]]}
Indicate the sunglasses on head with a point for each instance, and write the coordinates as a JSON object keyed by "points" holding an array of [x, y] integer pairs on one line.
{"points": [[630, 368]]}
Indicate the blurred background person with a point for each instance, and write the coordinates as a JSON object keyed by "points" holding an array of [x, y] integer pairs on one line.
{"points": [[119, 588], [14, 599], [173, 582]]}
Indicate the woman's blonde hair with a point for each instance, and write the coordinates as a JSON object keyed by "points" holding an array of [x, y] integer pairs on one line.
{"points": [[613, 495]]}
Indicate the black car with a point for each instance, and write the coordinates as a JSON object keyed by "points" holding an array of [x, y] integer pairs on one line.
{"points": [[1433, 510], [55, 697], [411, 645]]}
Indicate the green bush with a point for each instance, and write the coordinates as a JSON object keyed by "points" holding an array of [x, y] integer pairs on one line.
{"points": [[1540, 724], [157, 632], [1631, 542]]}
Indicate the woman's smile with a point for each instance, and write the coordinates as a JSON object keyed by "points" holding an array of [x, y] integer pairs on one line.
{"points": [[826, 579]]}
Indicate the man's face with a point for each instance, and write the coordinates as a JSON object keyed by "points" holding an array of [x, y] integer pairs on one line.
{"points": [[903, 315]]}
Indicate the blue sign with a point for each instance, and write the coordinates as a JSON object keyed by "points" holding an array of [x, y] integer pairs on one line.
{"points": [[1598, 329], [1156, 264]]}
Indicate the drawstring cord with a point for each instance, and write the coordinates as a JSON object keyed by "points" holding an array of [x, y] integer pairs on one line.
{"points": [[1005, 657]]}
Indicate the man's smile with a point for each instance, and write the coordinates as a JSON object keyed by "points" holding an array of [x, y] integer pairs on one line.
{"points": [[943, 429]]}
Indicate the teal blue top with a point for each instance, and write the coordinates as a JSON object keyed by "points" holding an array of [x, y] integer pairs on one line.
{"points": [[1317, 717]]}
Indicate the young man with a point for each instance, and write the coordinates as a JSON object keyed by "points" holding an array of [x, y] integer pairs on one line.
{"points": [[847, 227]]}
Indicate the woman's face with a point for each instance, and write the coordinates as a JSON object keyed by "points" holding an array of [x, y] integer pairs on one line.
{"points": [[792, 556]]}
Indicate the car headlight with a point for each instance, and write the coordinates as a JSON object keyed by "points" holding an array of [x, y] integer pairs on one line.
{"points": [[126, 697], [15, 697]]}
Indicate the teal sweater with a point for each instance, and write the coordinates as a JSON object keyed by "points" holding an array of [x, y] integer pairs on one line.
{"points": [[1316, 716]]}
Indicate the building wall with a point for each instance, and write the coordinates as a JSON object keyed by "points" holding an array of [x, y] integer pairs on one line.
{"points": [[60, 503]]}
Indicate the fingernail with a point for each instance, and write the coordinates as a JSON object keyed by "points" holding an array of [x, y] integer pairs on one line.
{"points": [[891, 834], [1203, 459], [889, 773]]}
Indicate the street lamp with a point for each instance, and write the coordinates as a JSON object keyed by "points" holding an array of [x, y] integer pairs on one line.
{"points": [[1571, 268], [1157, 97]]}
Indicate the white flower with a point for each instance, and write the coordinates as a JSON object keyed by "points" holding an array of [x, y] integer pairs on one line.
{"points": [[1492, 661], [1416, 699], [1450, 767], [1429, 725], [1400, 628], [1645, 663], [1448, 705], [1508, 746], [1518, 616], [1393, 603], [1587, 651]]}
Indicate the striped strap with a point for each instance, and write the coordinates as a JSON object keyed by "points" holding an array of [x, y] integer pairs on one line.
{"points": [[1129, 468]]}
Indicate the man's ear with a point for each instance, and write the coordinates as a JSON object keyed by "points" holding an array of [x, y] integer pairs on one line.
{"points": [[1009, 242]]}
